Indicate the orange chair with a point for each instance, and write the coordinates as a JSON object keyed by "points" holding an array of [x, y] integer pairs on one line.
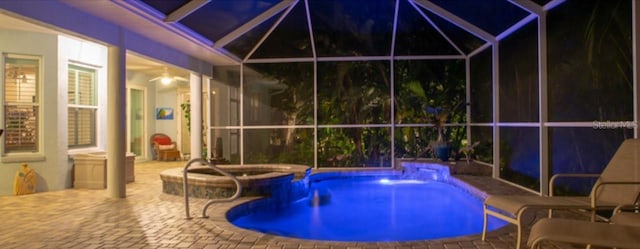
{"points": [[163, 148]]}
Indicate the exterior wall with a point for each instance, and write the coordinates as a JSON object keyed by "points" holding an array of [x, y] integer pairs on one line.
{"points": [[94, 56], [167, 98], [159, 96], [140, 80], [53, 166], [47, 164]]}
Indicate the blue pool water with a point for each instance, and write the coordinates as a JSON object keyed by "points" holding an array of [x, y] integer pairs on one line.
{"points": [[374, 209]]}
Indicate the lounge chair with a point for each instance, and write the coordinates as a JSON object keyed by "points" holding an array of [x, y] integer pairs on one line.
{"points": [[618, 184], [585, 233], [623, 232], [627, 214]]}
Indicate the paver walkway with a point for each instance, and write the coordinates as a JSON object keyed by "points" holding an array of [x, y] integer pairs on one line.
{"points": [[148, 218]]}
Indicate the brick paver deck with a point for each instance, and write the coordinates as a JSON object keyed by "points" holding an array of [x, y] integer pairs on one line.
{"points": [[148, 218]]}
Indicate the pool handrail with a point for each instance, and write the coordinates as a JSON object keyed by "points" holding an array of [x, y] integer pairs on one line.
{"points": [[185, 186]]}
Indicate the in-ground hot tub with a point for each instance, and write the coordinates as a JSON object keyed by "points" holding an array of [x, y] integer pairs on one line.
{"points": [[284, 182]]}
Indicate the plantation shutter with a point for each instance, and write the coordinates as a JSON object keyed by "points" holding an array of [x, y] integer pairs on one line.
{"points": [[21, 104], [82, 107]]}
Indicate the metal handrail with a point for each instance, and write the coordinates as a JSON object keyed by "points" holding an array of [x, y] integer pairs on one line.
{"points": [[185, 186]]}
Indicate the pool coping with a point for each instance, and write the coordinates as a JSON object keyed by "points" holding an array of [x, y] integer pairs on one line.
{"points": [[255, 179], [220, 217], [270, 171]]}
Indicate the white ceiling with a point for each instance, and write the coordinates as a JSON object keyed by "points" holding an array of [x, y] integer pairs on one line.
{"points": [[152, 26], [151, 68], [135, 63], [8, 22]]}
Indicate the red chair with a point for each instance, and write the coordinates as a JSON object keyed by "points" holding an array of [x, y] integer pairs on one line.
{"points": [[163, 148]]}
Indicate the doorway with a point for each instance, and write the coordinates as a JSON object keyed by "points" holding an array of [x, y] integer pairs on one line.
{"points": [[136, 116], [185, 126]]}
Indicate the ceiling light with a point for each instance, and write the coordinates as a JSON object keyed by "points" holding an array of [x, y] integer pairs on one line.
{"points": [[165, 80]]}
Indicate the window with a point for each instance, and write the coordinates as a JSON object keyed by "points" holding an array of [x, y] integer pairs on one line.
{"points": [[82, 107], [21, 103]]}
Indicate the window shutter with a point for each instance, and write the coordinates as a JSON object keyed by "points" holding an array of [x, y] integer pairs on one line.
{"points": [[21, 102], [82, 107]]}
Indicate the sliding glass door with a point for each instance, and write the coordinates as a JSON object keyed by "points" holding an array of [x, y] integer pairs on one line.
{"points": [[136, 117]]}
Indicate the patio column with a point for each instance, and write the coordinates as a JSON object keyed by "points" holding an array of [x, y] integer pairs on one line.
{"points": [[543, 112], [116, 111], [196, 115], [495, 73], [635, 17]]}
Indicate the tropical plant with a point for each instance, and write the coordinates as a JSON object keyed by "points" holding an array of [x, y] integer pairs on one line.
{"points": [[293, 100], [437, 116], [186, 110], [468, 149], [355, 93]]}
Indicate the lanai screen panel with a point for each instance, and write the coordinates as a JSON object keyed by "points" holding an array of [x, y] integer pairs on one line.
{"points": [[218, 18], [279, 145], [519, 96], [582, 150], [493, 16], [416, 36], [590, 86], [354, 147], [244, 44], [352, 27], [481, 104], [519, 106], [354, 93], [225, 96], [520, 156], [464, 40], [278, 94], [224, 100], [290, 39], [590, 67], [421, 86], [484, 136], [481, 84]]}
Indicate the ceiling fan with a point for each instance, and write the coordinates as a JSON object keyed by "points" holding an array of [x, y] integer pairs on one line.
{"points": [[166, 78]]}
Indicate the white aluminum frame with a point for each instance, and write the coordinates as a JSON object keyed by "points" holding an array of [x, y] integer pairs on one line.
{"points": [[537, 13]]}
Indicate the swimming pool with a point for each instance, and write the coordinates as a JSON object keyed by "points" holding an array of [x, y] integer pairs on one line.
{"points": [[373, 209]]}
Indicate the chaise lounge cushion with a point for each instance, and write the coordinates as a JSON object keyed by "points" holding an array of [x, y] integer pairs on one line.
{"points": [[584, 233], [626, 218], [512, 204]]}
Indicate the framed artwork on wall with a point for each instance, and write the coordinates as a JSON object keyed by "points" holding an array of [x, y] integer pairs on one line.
{"points": [[164, 113]]}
